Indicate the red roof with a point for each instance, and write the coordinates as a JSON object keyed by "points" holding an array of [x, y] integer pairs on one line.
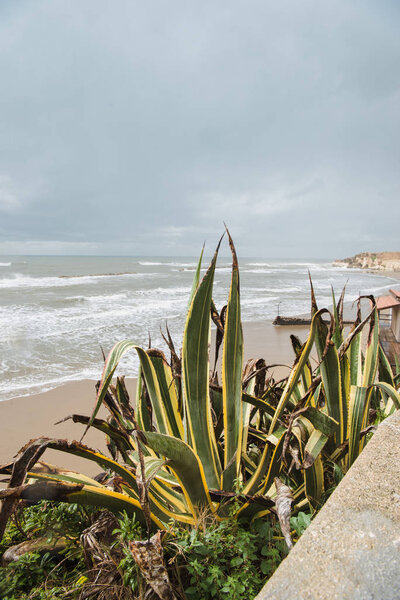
{"points": [[395, 293], [387, 302]]}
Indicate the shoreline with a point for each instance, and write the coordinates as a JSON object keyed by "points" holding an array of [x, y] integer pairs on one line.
{"points": [[34, 415], [28, 417]]}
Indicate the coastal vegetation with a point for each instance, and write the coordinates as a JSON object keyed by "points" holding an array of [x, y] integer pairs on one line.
{"points": [[216, 468]]}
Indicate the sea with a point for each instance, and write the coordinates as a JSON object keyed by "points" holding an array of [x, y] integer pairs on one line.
{"points": [[58, 314]]}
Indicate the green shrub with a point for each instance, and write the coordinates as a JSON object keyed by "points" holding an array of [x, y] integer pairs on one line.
{"points": [[43, 576], [218, 559]]}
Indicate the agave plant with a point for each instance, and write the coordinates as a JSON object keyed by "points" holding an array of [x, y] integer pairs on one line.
{"points": [[341, 388], [191, 444], [182, 449]]}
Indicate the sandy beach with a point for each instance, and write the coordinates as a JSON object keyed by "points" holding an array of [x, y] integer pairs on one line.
{"points": [[22, 419]]}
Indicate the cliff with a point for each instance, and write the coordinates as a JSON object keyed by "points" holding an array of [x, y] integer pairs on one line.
{"points": [[379, 261]]}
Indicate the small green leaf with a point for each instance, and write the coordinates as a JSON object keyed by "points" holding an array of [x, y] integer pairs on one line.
{"points": [[235, 562], [265, 566]]}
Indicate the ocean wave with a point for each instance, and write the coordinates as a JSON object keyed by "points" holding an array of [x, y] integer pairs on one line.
{"points": [[27, 388], [257, 271], [184, 269], [27, 281], [258, 301], [274, 290], [129, 298], [98, 275], [8, 264], [166, 264]]}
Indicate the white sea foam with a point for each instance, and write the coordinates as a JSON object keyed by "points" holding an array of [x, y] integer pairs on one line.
{"points": [[257, 271], [259, 301], [274, 290], [166, 264], [30, 386], [6, 264], [26, 281]]}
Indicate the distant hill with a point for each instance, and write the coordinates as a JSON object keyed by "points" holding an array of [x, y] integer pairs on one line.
{"points": [[379, 261]]}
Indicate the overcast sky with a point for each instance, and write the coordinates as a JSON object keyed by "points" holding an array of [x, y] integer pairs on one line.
{"points": [[131, 127]]}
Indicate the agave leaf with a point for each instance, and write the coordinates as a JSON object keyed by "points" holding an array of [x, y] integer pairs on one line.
{"points": [[311, 442], [232, 379], [337, 336], [28, 456], [78, 449], [260, 470], [195, 371], [144, 413], [159, 498], [358, 412], [356, 329], [263, 405], [371, 352], [196, 279], [34, 475], [110, 366], [390, 391], [314, 483], [154, 467], [44, 470], [168, 392], [386, 376], [123, 441], [123, 398], [246, 415], [163, 507], [384, 368], [297, 369], [78, 494], [187, 467], [40, 490], [313, 447], [276, 462], [150, 377], [307, 371], [321, 421], [331, 377], [113, 501], [315, 394], [355, 360]]}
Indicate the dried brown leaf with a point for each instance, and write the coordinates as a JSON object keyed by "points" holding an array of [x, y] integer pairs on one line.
{"points": [[283, 505], [29, 454], [149, 558]]}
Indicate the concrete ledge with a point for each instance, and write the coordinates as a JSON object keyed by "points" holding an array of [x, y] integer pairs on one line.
{"points": [[352, 548]]}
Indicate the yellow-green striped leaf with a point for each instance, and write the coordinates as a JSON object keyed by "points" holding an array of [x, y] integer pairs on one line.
{"points": [[195, 372], [232, 360]]}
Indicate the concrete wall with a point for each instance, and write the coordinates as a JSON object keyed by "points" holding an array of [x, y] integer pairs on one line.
{"points": [[351, 550]]}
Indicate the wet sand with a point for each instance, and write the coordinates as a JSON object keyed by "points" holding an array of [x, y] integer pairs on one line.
{"points": [[22, 419]]}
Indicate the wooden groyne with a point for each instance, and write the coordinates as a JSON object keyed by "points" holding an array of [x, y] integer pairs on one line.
{"points": [[299, 321]]}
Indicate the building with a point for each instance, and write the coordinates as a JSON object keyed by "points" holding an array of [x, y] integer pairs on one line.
{"points": [[389, 319]]}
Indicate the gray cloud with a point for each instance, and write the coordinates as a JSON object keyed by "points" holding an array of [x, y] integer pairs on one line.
{"points": [[139, 128]]}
